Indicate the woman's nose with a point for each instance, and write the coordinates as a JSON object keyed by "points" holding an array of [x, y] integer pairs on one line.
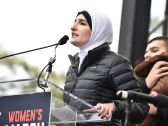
{"points": [[73, 27]]}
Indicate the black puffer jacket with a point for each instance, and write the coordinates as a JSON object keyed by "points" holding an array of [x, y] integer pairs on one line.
{"points": [[102, 74]]}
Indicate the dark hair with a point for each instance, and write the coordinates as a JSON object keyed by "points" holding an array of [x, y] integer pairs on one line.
{"points": [[163, 38]]}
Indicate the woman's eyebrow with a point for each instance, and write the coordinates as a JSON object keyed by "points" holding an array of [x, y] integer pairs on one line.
{"points": [[81, 20]]}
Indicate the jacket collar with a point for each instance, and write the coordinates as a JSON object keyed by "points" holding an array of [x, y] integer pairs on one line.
{"points": [[93, 55]]}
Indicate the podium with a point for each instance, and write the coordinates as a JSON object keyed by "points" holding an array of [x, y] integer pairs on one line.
{"points": [[38, 108], [30, 109], [66, 116]]}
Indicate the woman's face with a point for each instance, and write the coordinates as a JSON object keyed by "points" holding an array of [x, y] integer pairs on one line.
{"points": [[80, 31], [157, 47]]}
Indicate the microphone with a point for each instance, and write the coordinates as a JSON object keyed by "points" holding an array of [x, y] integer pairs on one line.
{"points": [[62, 41], [138, 97], [159, 100]]}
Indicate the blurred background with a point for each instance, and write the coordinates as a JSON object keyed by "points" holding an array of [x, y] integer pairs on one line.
{"points": [[31, 24]]}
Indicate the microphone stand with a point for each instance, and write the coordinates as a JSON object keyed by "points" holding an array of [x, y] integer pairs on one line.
{"points": [[18, 80], [127, 114], [49, 70], [27, 51], [62, 41], [43, 85]]}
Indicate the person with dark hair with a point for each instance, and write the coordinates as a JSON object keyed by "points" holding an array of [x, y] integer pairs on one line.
{"points": [[154, 71], [96, 73]]}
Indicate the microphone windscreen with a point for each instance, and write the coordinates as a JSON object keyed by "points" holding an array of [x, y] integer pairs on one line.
{"points": [[63, 40]]}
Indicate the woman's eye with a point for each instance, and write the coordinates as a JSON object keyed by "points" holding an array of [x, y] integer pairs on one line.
{"points": [[83, 23]]}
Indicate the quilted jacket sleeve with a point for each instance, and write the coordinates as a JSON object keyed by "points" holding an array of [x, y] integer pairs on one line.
{"points": [[122, 75]]}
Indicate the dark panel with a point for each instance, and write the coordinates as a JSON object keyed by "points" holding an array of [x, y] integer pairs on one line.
{"points": [[134, 29], [165, 23]]}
